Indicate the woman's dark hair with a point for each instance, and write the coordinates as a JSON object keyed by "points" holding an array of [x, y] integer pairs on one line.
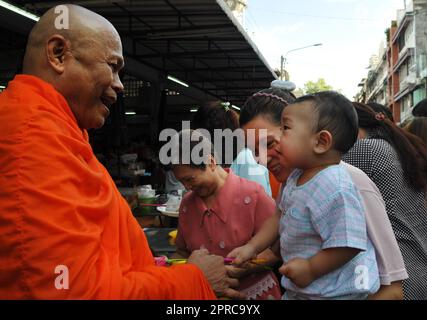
{"points": [[378, 107], [215, 115], [411, 151], [268, 103], [418, 127], [336, 114], [218, 115], [420, 109]]}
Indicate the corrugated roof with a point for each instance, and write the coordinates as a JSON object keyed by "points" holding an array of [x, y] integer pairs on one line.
{"points": [[199, 42]]}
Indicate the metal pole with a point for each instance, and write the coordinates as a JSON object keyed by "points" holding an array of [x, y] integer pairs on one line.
{"points": [[281, 67], [283, 60]]}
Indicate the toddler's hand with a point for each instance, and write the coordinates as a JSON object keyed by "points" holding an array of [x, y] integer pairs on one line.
{"points": [[242, 254], [298, 271]]}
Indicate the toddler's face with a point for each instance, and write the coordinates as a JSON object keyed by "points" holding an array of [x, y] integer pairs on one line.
{"points": [[296, 142]]}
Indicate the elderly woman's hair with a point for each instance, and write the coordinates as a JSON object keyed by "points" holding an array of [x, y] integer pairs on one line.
{"points": [[184, 146], [410, 149], [336, 114], [268, 103]]}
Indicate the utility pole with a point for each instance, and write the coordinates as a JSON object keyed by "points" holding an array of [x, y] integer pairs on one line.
{"points": [[281, 67], [283, 59]]}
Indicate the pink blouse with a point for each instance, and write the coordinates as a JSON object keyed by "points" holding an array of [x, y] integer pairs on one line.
{"points": [[237, 214]]}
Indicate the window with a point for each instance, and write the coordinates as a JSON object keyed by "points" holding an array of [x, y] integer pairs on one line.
{"points": [[401, 42], [408, 33], [405, 107], [132, 87]]}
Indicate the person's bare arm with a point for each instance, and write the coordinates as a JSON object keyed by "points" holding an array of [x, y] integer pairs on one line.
{"points": [[302, 272], [275, 248], [214, 270], [268, 233], [265, 237], [267, 255], [393, 291]]}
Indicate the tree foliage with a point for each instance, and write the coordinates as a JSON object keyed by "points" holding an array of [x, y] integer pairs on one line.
{"points": [[313, 87]]}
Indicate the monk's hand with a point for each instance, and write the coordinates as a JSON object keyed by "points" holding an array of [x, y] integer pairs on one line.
{"points": [[214, 270], [299, 271], [242, 254], [237, 272]]}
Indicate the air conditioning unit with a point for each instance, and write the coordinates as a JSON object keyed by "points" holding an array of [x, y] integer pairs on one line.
{"points": [[408, 81], [411, 78]]}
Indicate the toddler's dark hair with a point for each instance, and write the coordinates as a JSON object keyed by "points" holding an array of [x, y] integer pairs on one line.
{"points": [[336, 114]]}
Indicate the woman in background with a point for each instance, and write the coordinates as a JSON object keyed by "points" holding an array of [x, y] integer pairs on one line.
{"points": [[263, 111], [418, 127], [396, 162]]}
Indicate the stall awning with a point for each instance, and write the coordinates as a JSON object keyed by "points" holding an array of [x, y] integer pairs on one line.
{"points": [[198, 42]]}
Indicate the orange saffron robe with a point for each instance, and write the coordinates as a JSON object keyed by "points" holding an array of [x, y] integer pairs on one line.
{"points": [[60, 208], [275, 185]]}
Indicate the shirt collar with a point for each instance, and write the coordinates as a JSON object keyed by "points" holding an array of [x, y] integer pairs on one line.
{"points": [[223, 200]]}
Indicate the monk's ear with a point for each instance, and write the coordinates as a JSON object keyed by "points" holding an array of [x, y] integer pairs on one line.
{"points": [[56, 50], [323, 142]]}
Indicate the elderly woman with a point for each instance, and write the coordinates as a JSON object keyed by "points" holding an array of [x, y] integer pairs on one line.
{"points": [[263, 111], [221, 212]]}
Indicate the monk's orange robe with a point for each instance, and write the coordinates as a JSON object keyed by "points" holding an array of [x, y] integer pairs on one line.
{"points": [[60, 208], [275, 185]]}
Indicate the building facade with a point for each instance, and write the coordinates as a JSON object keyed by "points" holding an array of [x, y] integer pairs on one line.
{"points": [[398, 80]]}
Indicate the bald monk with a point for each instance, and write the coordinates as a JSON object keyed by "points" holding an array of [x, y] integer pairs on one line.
{"points": [[65, 231]]}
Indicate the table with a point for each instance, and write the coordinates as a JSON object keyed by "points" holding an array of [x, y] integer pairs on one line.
{"points": [[171, 214], [158, 240], [147, 212]]}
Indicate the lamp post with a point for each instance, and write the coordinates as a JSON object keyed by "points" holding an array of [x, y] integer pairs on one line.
{"points": [[283, 59]]}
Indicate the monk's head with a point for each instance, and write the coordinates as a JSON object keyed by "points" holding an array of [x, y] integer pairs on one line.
{"points": [[81, 62]]}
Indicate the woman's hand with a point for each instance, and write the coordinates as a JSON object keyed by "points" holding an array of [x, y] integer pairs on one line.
{"points": [[394, 291]]}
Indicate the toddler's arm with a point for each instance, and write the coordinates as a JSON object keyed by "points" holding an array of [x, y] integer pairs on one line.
{"points": [[302, 272], [265, 237]]}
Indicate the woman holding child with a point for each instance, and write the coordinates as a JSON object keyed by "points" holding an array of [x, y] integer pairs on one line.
{"points": [[323, 233], [263, 111]]}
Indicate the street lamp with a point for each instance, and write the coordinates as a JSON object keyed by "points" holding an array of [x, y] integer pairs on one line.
{"points": [[283, 60]]}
